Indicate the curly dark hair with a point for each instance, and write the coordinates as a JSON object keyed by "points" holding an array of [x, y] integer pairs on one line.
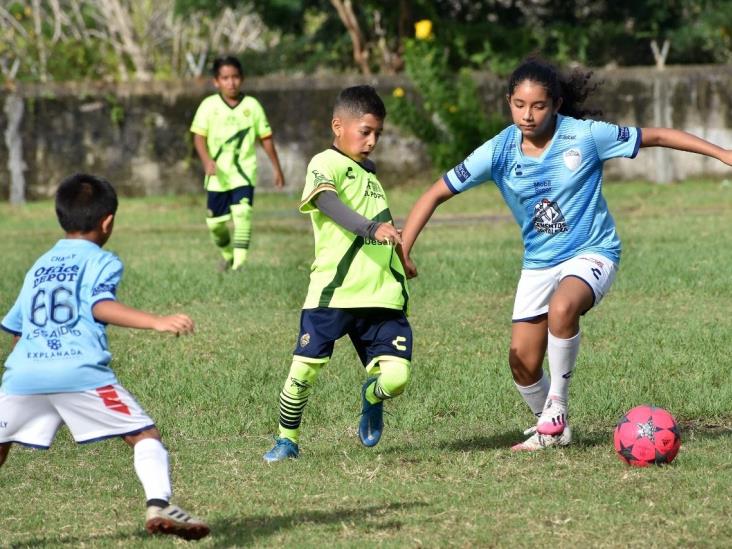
{"points": [[573, 87]]}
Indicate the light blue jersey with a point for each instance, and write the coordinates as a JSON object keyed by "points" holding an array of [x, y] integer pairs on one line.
{"points": [[556, 198], [61, 347]]}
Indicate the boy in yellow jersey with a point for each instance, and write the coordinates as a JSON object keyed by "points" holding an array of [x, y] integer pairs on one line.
{"points": [[357, 283], [226, 127]]}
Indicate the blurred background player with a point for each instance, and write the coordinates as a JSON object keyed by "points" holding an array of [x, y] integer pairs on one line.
{"points": [[226, 127], [58, 371], [357, 282], [548, 168]]}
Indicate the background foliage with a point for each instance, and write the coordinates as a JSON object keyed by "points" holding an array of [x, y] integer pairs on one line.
{"points": [[43, 40]]}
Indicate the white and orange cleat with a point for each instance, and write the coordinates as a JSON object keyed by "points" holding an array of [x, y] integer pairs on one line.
{"points": [[174, 521]]}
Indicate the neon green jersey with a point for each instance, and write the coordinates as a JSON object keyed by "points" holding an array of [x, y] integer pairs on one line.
{"points": [[231, 134], [350, 271]]}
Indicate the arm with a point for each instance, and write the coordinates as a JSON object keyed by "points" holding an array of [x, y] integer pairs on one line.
{"points": [[117, 314], [683, 141], [332, 206], [209, 165], [418, 217], [269, 148]]}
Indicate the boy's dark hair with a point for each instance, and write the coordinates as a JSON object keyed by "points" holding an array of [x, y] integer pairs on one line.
{"points": [[82, 201], [572, 88], [225, 60], [360, 100]]}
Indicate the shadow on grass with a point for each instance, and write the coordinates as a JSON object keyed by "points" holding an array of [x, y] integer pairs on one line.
{"points": [[246, 530], [129, 539], [692, 429]]}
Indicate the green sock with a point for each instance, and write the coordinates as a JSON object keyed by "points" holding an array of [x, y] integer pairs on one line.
{"points": [[294, 396], [220, 235], [241, 215], [393, 379]]}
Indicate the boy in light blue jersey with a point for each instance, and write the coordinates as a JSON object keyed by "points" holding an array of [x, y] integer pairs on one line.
{"points": [[58, 371], [548, 167]]}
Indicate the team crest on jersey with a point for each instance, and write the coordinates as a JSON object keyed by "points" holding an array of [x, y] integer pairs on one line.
{"points": [[304, 339], [53, 344], [548, 218], [572, 159]]}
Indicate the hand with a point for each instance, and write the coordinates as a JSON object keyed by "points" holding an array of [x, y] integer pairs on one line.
{"points": [[726, 157], [388, 234], [410, 269], [177, 324], [209, 167], [279, 181]]}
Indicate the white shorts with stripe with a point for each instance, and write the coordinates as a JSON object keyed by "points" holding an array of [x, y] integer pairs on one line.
{"points": [[536, 286], [96, 414]]}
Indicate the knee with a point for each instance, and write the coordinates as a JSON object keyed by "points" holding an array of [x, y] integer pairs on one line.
{"points": [[149, 433], [302, 376], [394, 376], [525, 365]]}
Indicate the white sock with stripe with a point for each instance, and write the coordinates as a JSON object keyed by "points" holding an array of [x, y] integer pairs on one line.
{"points": [[151, 466]]}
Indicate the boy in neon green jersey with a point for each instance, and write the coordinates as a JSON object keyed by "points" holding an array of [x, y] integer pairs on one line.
{"points": [[357, 283], [226, 127]]}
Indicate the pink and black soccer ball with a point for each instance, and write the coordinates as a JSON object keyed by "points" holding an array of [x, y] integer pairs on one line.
{"points": [[647, 435]]}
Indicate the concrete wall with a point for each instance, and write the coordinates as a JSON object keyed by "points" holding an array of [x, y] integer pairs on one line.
{"points": [[137, 134]]}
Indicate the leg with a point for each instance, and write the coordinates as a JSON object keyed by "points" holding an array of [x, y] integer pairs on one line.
{"points": [[572, 298], [151, 465], [220, 236], [241, 215], [218, 215], [4, 451], [526, 356], [390, 376]]}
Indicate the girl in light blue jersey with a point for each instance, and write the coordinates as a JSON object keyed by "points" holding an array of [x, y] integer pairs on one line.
{"points": [[548, 168]]}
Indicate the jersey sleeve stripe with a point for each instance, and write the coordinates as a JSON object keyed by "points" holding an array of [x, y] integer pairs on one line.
{"points": [[637, 143], [13, 332], [317, 190], [199, 131], [450, 186], [266, 136]]}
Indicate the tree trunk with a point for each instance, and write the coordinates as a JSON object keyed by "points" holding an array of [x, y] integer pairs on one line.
{"points": [[14, 141], [360, 53]]}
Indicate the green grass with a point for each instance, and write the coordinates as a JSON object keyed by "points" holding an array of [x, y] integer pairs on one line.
{"points": [[443, 474]]}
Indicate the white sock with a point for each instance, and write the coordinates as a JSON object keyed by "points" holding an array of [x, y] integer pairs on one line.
{"points": [[562, 355], [535, 395], [151, 466]]}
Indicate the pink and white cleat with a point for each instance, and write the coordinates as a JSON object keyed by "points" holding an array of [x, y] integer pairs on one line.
{"points": [[553, 419], [539, 442]]}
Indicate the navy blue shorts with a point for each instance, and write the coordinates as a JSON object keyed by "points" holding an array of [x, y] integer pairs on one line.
{"points": [[374, 332], [219, 203]]}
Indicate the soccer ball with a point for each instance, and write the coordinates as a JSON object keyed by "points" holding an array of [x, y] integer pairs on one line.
{"points": [[646, 435]]}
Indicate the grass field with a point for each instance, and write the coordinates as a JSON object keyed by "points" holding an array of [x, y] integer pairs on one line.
{"points": [[443, 474]]}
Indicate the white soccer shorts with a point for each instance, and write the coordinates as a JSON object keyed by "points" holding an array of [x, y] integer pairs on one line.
{"points": [[33, 420], [536, 286]]}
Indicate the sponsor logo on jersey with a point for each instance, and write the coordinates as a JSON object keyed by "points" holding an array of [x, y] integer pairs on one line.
{"points": [[373, 189], [246, 112], [3, 424], [462, 172], [518, 170], [53, 344], [572, 159], [542, 187], [565, 136], [623, 134], [304, 340], [548, 218], [320, 178], [104, 288]]}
